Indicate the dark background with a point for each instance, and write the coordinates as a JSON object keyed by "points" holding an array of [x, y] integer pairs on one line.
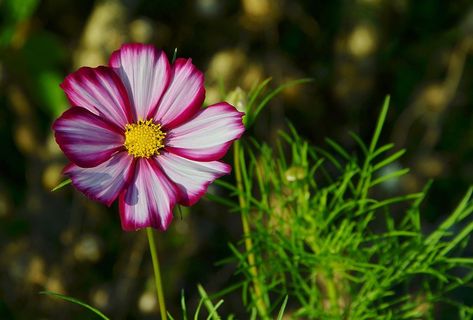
{"points": [[357, 52]]}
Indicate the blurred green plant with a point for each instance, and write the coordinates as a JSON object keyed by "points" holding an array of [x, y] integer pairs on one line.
{"points": [[44, 55], [37, 55], [320, 237], [14, 13]]}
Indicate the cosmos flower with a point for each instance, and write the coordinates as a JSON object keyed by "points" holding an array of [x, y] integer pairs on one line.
{"points": [[136, 131]]}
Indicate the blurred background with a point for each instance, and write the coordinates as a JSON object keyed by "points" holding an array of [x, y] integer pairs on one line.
{"points": [[357, 52]]}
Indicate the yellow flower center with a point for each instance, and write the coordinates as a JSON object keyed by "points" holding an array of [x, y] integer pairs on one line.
{"points": [[144, 139]]}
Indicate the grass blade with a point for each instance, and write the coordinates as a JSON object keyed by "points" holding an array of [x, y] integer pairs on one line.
{"points": [[78, 302], [283, 307], [62, 184]]}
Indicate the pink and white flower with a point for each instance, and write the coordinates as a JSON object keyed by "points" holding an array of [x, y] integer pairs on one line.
{"points": [[136, 131]]}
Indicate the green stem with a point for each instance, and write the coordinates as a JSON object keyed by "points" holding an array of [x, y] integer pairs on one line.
{"points": [[332, 294], [157, 273], [260, 304]]}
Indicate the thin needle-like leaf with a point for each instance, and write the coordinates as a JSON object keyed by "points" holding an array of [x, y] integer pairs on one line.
{"points": [[75, 301], [62, 184]]}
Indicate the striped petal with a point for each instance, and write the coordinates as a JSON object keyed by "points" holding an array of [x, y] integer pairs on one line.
{"points": [[85, 138], [148, 200], [100, 91], [104, 182], [184, 95], [208, 135], [192, 178], [145, 72]]}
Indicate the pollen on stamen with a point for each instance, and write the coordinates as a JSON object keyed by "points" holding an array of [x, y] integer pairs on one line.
{"points": [[144, 138]]}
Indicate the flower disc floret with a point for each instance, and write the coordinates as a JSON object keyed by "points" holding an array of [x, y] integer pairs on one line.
{"points": [[144, 138]]}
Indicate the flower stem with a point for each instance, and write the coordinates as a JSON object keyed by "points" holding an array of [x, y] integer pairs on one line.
{"points": [[258, 292], [157, 273]]}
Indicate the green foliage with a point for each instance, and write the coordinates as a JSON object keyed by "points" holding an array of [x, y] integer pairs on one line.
{"points": [[75, 301], [324, 237], [44, 55], [259, 97], [39, 58], [212, 309], [13, 13]]}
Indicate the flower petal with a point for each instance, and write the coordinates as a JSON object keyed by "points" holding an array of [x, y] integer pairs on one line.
{"points": [[85, 138], [100, 91], [184, 95], [145, 72], [104, 182], [192, 178], [208, 135], [149, 199]]}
